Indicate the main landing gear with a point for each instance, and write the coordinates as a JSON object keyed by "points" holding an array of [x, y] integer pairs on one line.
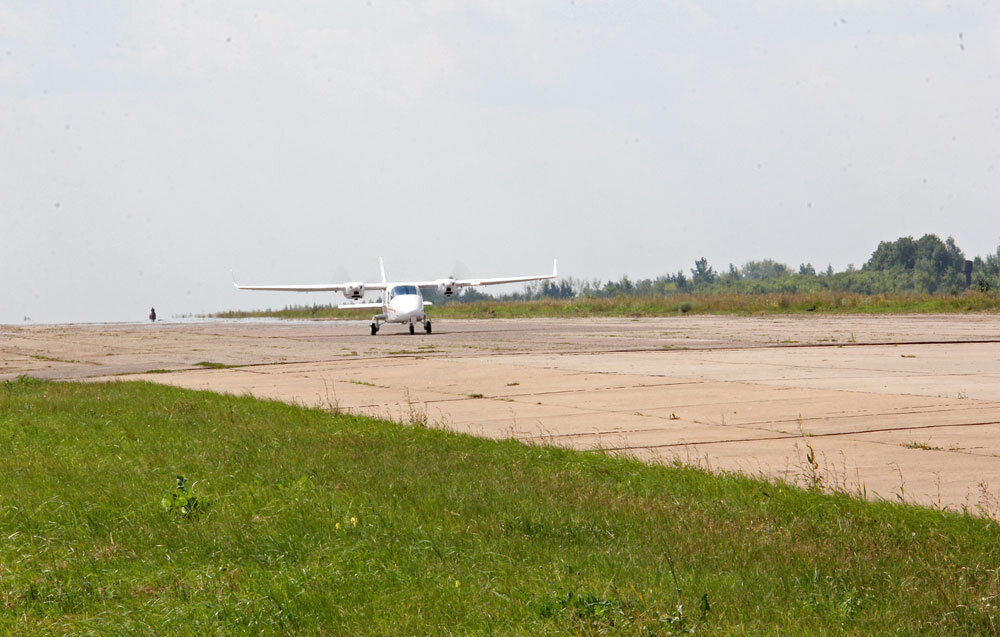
{"points": [[375, 322], [427, 327]]}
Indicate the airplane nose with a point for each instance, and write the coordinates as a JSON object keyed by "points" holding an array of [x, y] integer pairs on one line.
{"points": [[407, 305]]}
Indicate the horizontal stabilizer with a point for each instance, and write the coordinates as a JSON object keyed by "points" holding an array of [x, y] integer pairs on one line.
{"points": [[360, 306]]}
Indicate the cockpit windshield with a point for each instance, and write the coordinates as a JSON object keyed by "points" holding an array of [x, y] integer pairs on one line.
{"points": [[404, 289]]}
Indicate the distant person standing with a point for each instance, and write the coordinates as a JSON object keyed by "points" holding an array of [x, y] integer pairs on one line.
{"points": [[152, 314]]}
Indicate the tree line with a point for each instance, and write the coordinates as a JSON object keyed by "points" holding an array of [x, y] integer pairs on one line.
{"points": [[926, 265]]}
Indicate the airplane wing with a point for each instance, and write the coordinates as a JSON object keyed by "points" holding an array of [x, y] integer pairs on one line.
{"points": [[319, 287], [461, 283], [294, 288]]}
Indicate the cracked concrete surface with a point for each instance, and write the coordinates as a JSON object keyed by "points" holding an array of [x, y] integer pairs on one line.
{"points": [[892, 406]]}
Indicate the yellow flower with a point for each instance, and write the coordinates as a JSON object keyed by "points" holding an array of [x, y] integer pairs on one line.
{"points": [[354, 521], [337, 526], [457, 584]]}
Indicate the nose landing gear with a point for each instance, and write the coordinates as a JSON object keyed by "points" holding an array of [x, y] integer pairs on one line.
{"points": [[374, 329], [411, 328]]}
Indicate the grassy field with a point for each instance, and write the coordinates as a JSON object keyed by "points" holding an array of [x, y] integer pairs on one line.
{"points": [[317, 523], [749, 304]]}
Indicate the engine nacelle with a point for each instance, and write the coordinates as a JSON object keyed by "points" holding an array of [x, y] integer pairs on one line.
{"points": [[447, 287], [354, 290]]}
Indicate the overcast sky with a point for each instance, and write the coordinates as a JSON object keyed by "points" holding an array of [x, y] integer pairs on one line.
{"points": [[147, 148]]}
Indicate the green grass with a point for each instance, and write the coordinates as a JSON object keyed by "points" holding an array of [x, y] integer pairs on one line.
{"points": [[40, 357], [148, 371], [916, 444], [314, 523], [212, 365], [678, 304]]}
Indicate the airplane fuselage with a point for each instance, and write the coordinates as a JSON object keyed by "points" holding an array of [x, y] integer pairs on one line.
{"points": [[403, 304]]}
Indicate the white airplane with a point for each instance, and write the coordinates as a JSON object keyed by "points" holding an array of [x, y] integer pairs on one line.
{"points": [[402, 302]]}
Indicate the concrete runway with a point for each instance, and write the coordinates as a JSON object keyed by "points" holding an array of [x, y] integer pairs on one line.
{"points": [[895, 407]]}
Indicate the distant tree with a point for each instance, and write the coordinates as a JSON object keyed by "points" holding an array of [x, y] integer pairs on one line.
{"points": [[989, 268], [766, 269], [702, 274], [807, 269], [991, 265], [560, 290], [734, 274], [927, 264], [923, 277], [829, 270], [681, 281], [906, 254], [626, 285], [472, 294], [901, 253]]}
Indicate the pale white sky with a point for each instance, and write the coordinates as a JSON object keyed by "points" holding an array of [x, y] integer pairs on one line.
{"points": [[146, 148]]}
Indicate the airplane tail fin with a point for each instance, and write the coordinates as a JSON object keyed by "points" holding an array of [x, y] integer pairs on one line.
{"points": [[381, 267]]}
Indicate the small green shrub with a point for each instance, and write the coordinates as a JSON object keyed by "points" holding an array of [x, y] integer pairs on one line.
{"points": [[181, 501], [982, 284]]}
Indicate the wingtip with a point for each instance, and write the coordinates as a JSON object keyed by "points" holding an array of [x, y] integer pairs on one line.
{"points": [[555, 273]]}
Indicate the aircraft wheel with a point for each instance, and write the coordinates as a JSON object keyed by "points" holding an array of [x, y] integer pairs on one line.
{"points": [[427, 326], [411, 328], [374, 329]]}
